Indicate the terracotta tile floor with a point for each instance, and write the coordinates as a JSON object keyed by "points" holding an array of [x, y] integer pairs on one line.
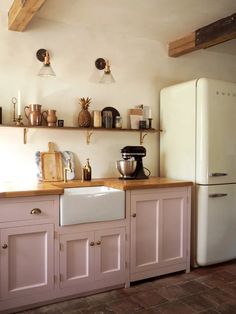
{"points": [[207, 290]]}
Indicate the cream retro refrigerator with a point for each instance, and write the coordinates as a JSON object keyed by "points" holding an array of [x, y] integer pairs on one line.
{"points": [[198, 143]]}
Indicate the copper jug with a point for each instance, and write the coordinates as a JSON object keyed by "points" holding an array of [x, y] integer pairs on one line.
{"points": [[33, 114], [50, 117]]}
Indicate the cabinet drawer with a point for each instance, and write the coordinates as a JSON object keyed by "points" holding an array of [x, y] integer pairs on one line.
{"points": [[29, 208]]}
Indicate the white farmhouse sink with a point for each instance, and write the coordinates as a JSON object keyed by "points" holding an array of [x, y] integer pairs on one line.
{"points": [[91, 204]]}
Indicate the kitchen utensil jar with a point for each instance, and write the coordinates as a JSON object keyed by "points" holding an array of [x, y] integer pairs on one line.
{"points": [[118, 122], [97, 119], [33, 114], [107, 119]]}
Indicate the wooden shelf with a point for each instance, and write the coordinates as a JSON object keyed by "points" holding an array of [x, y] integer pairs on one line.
{"points": [[78, 128], [89, 131]]}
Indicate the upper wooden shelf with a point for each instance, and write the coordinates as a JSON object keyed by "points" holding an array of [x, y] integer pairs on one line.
{"points": [[89, 131]]}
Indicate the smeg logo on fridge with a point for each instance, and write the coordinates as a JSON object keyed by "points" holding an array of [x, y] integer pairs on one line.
{"points": [[223, 93]]}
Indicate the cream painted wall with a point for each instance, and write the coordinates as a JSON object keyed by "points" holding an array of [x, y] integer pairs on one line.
{"points": [[140, 66]]}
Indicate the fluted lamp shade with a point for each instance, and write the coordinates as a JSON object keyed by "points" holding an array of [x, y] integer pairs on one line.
{"points": [[107, 77], [46, 70]]}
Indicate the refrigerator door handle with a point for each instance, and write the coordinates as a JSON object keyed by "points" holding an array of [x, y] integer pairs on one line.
{"points": [[217, 194], [217, 174]]}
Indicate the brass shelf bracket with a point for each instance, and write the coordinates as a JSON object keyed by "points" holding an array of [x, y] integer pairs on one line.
{"points": [[25, 130], [88, 136], [142, 136]]}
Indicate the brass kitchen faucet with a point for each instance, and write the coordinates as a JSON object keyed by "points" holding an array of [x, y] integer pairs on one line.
{"points": [[67, 168]]}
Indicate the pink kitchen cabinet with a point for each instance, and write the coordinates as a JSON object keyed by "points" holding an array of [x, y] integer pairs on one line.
{"points": [[26, 260], [159, 231], [27, 263], [92, 258], [40, 260], [110, 254], [76, 259]]}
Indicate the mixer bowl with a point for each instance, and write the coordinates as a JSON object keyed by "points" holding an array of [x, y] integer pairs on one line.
{"points": [[126, 167]]}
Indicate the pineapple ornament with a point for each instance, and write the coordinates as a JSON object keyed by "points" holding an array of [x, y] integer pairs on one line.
{"points": [[84, 118]]}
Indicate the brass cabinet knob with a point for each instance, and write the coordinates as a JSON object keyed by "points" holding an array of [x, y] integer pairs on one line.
{"points": [[91, 243], [134, 215], [98, 242], [36, 211], [4, 246]]}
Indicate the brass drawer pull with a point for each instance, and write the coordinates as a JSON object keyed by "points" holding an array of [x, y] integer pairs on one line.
{"points": [[134, 215], [36, 211], [4, 246], [98, 242], [91, 243]]}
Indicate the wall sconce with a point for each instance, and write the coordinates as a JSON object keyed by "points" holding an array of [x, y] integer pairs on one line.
{"points": [[43, 56], [107, 77]]}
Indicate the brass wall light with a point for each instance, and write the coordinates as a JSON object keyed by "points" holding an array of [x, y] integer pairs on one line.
{"points": [[102, 64], [43, 56]]}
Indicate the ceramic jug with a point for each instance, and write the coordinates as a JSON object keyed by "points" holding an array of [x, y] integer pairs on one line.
{"points": [[33, 114], [50, 117]]}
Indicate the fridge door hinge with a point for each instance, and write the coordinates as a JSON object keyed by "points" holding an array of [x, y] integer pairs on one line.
{"points": [[60, 246]]}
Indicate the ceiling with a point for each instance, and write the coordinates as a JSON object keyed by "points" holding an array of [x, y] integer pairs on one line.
{"points": [[162, 20]]}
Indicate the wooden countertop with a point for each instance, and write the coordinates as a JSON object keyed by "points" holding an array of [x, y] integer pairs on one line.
{"points": [[151, 183], [15, 189]]}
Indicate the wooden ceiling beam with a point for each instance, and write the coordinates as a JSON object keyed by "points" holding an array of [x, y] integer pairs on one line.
{"points": [[205, 37], [22, 12]]}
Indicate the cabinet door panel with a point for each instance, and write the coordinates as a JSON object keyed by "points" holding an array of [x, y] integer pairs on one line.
{"points": [[172, 235], [110, 254], [159, 222], [27, 262], [145, 233], [76, 258]]}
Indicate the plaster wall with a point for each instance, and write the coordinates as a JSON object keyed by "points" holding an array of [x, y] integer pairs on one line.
{"points": [[140, 66]]}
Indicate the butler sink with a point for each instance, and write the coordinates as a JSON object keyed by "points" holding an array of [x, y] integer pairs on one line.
{"points": [[91, 204]]}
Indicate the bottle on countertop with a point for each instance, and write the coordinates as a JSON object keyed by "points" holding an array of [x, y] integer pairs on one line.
{"points": [[87, 172]]}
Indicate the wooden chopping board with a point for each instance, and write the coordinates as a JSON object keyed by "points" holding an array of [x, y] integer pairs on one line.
{"points": [[51, 164]]}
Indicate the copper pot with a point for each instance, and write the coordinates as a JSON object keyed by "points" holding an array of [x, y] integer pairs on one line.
{"points": [[33, 114]]}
